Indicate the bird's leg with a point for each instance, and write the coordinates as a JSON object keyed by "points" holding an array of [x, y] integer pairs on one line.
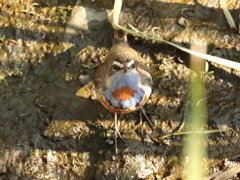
{"points": [[140, 118], [149, 121], [117, 133]]}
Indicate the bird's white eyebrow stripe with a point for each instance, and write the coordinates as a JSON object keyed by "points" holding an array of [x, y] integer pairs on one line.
{"points": [[118, 64], [121, 65], [130, 63]]}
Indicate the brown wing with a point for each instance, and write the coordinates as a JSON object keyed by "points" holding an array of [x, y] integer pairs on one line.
{"points": [[100, 78], [144, 73]]}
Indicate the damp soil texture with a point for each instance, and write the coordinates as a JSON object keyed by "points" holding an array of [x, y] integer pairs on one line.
{"points": [[49, 50]]}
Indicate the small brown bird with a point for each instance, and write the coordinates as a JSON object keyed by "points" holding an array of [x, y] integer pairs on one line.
{"points": [[122, 83]]}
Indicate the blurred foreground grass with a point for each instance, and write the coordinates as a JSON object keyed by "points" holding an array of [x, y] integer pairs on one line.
{"points": [[194, 149]]}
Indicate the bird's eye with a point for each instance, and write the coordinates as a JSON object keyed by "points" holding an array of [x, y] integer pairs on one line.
{"points": [[115, 67], [132, 66]]}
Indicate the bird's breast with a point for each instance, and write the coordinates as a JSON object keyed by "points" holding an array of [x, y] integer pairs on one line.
{"points": [[124, 91], [123, 94]]}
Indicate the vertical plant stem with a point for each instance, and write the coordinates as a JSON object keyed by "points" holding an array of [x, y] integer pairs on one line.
{"points": [[227, 14], [116, 10], [194, 145]]}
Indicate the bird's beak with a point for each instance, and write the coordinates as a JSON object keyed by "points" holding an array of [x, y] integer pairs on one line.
{"points": [[124, 70]]}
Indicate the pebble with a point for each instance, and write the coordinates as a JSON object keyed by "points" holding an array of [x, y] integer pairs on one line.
{"points": [[84, 79]]}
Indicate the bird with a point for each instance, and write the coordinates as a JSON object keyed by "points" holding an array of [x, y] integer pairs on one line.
{"points": [[122, 83]]}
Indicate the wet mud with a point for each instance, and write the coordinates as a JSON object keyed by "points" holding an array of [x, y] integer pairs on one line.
{"points": [[50, 50]]}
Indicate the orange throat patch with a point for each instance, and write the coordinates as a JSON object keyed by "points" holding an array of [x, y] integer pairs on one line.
{"points": [[124, 93]]}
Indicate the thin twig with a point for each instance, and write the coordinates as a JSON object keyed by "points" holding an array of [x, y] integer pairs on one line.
{"points": [[229, 173], [227, 14]]}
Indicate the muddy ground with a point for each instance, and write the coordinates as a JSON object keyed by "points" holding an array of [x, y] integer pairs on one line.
{"points": [[50, 49]]}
